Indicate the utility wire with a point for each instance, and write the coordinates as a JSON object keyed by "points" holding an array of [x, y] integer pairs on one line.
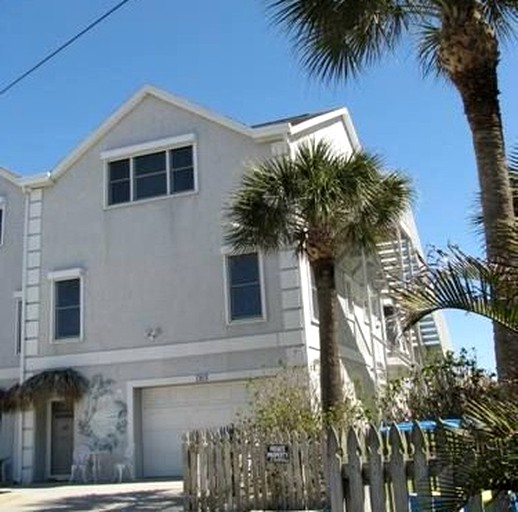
{"points": [[63, 46]]}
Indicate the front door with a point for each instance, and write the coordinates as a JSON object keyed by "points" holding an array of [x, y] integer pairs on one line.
{"points": [[61, 438]]}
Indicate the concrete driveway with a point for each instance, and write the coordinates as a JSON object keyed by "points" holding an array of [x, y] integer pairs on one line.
{"points": [[159, 496]]}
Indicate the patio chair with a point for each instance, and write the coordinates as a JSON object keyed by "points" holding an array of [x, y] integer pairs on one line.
{"points": [[80, 464], [124, 466]]}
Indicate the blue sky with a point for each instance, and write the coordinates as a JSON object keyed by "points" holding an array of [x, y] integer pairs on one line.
{"points": [[225, 55]]}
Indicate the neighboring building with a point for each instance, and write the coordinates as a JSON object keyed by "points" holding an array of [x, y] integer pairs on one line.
{"points": [[119, 260]]}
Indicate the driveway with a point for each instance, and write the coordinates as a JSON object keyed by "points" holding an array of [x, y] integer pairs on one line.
{"points": [[159, 496]]}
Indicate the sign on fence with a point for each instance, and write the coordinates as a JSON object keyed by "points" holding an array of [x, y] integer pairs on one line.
{"points": [[277, 453]]}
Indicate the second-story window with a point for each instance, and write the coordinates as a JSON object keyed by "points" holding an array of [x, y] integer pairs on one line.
{"points": [[244, 281], [67, 309], [151, 175]]}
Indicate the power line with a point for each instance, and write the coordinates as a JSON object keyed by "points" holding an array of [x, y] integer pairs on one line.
{"points": [[63, 46]]}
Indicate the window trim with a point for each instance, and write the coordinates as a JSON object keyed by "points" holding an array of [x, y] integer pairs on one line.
{"points": [[135, 150], [227, 253], [66, 275]]}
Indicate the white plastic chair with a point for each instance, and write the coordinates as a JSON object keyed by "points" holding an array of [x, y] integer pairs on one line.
{"points": [[124, 465], [80, 463]]}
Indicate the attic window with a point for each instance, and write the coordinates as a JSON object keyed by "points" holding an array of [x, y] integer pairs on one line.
{"points": [[150, 170]]}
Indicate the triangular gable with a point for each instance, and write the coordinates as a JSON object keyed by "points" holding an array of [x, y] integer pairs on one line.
{"points": [[262, 133], [129, 106]]}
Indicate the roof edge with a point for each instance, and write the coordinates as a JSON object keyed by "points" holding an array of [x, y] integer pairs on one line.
{"points": [[128, 106], [10, 176]]}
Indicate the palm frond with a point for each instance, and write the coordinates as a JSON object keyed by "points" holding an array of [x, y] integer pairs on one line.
{"points": [[501, 15], [480, 455], [458, 281], [338, 38], [428, 44], [319, 200]]}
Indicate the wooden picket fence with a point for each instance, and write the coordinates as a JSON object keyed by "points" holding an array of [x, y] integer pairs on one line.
{"points": [[372, 471], [228, 470]]}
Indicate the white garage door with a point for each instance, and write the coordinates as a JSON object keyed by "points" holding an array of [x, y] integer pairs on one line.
{"points": [[170, 411]]}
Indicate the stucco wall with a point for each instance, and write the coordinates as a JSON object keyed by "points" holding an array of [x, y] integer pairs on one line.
{"points": [[155, 264], [10, 272]]}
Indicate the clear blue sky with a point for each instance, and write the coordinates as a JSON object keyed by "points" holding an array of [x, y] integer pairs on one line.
{"points": [[226, 56]]}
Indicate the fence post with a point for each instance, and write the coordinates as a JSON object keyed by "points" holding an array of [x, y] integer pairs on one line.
{"points": [[336, 490], [355, 491], [397, 469], [376, 474]]}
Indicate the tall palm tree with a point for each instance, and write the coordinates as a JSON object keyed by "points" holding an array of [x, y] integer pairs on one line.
{"points": [[319, 203], [456, 38]]}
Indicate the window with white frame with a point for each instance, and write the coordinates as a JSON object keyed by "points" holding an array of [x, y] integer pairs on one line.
{"points": [[67, 305], [244, 283], [153, 174], [67, 309]]}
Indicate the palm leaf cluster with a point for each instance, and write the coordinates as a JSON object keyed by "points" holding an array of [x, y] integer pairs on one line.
{"points": [[320, 202], [480, 455], [60, 383], [340, 38], [455, 280]]}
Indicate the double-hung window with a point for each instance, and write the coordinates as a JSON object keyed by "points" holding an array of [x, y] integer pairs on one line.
{"points": [[67, 305], [67, 309], [148, 174], [244, 283]]}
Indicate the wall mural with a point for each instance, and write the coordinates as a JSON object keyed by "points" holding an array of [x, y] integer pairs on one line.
{"points": [[104, 419]]}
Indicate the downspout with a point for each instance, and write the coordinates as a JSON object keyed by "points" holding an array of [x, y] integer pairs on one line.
{"points": [[369, 313], [23, 327]]}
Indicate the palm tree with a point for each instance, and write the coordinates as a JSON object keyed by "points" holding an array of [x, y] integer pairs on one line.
{"points": [[319, 203], [458, 39]]}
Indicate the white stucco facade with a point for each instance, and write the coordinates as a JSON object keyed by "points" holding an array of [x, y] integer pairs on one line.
{"points": [[155, 335]]}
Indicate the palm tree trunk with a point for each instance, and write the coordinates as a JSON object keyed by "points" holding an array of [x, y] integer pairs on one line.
{"points": [[330, 371], [479, 92]]}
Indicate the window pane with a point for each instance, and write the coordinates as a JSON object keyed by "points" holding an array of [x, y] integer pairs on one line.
{"points": [[245, 301], [245, 287], [119, 170], [182, 181], [67, 293], [244, 268], [119, 192], [151, 186], [181, 157], [68, 322], [1, 224], [148, 164]]}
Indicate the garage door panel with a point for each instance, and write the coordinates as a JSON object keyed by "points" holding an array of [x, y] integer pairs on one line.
{"points": [[169, 412]]}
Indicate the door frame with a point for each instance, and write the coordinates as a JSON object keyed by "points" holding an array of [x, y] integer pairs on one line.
{"points": [[48, 462]]}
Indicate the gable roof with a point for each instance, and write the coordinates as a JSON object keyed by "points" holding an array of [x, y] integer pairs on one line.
{"points": [[263, 132], [292, 120], [10, 176]]}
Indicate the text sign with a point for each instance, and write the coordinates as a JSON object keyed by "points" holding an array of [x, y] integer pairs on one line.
{"points": [[277, 453]]}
